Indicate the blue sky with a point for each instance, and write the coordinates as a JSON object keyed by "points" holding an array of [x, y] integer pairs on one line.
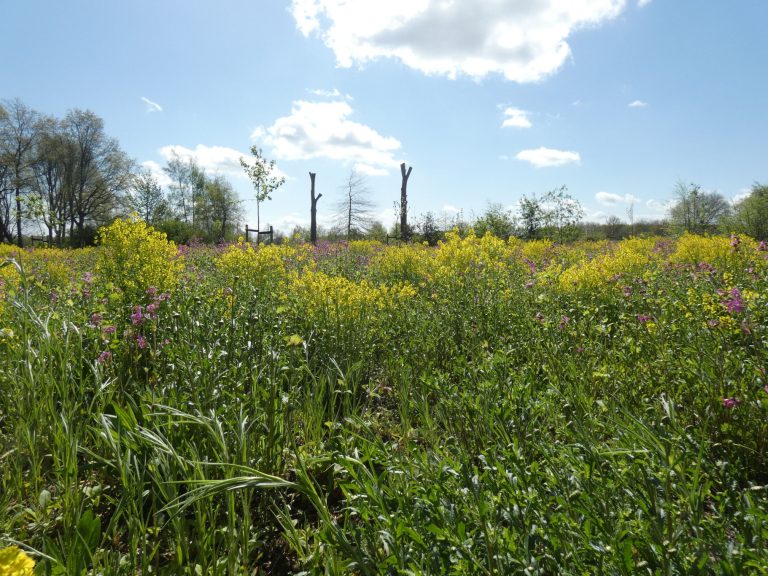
{"points": [[488, 101]]}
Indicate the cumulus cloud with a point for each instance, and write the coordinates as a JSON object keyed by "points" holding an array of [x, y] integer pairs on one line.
{"points": [[151, 106], [638, 104], [324, 130], [451, 209], [658, 206], [743, 194], [157, 171], [548, 157], [609, 199], [515, 118], [213, 159], [523, 41], [642, 3]]}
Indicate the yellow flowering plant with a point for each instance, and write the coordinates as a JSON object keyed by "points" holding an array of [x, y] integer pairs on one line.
{"points": [[15, 562], [134, 257]]}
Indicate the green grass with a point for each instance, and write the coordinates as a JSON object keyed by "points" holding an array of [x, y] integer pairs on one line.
{"points": [[474, 430]]}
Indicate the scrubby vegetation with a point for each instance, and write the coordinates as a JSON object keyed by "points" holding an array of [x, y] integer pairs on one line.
{"points": [[480, 407]]}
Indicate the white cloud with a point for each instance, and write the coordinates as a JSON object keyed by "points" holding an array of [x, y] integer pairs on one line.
{"points": [[213, 159], [515, 118], [323, 130], [157, 171], [151, 106], [547, 157], [329, 93], [451, 209], [638, 104], [642, 3], [524, 41], [658, 206], [370, 170], [609, 199], [743, 194]]}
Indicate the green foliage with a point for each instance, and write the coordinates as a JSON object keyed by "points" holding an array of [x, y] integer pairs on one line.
{"points": [[263, 176], [697, 211], [480, 407], [496, 220], [751, 214]]}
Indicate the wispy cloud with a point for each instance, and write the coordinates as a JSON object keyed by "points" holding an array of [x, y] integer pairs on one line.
{"points": [[642, 3], [335, 93], [515, 118], [638, 104], [548, 157], [151, 106], [660, 207], [610, 199]]}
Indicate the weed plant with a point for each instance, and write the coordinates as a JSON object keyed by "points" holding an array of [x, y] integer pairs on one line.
{"points": [[483, 407]]}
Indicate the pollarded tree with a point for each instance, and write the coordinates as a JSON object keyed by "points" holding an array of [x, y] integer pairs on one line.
{"points": [[354, 210]]}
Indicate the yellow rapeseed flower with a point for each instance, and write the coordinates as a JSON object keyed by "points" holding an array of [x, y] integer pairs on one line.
{"points": [[15, 562]]}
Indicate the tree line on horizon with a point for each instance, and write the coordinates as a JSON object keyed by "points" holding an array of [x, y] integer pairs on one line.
{"points": [[66, 177]]}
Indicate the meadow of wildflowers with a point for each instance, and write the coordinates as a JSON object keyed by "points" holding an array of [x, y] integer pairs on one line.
{"points": [[482, 407]]}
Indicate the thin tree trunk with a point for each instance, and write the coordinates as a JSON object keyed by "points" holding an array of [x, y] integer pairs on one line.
{"points": [[19, 238]]}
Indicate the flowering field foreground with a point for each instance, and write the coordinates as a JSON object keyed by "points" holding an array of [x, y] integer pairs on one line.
{"points": [[483, 407]]}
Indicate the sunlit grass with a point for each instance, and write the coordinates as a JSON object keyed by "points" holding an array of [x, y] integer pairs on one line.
{"points": [[483, 407]]}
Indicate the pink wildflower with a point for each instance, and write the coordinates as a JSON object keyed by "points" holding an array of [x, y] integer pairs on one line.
{"points": [[731, 402], [137, 317]]}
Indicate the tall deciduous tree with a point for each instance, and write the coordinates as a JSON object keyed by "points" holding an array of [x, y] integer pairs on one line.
{"points": [[531, 217], [750, 215], [146, 197], [562, 213], [18, 124], [181, 187], [219, 207], [98, 171], [263, 175], [354, 208], [697, 211], [49, 169]]}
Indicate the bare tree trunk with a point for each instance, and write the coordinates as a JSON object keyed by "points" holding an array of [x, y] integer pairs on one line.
{"points": [[313, 211], [405, 232], [19, 238]]}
